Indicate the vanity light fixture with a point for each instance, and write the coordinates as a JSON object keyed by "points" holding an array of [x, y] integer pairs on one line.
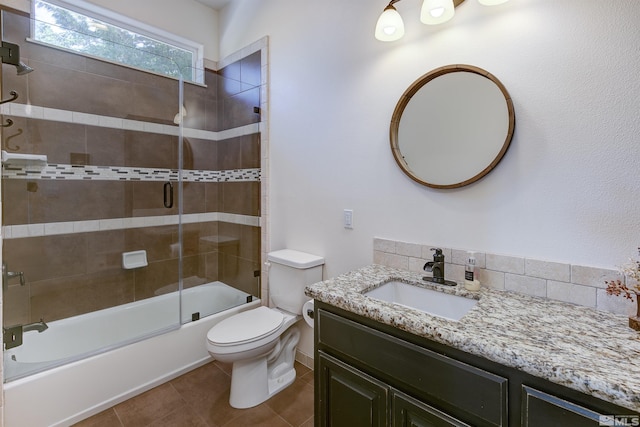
{"points": [[390, 26], [436, 12]]}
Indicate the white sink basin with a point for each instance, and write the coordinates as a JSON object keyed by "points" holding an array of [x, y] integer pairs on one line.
{"points": [[451, 307]]}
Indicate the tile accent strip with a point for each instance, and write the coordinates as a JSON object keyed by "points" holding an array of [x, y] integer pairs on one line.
{"points": [[118, 173], [66, 116], [574, 284], [72, 227]]}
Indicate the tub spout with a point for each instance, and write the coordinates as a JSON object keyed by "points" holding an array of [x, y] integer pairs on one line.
{"points": [[12, 336], [36, 326]]}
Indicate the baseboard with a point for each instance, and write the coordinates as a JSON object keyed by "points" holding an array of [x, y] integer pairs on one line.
{"points": [[304, 359]]}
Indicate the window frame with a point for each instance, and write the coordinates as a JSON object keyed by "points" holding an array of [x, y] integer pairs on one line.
{"points": [[129, 24]]}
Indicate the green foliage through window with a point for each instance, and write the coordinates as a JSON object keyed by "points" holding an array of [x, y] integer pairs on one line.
{"points": [[58, 26]]}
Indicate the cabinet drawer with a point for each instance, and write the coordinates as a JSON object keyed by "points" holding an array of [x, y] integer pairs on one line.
{"points": [[474, 395], [409, 412], [543, 409]]}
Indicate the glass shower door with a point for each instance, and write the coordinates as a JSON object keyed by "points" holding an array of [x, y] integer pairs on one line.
{"points": [[95, 228], [221, 174], [150, 195]]}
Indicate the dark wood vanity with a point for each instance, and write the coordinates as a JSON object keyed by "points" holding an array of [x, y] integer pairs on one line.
{"points": [[371, 374]]}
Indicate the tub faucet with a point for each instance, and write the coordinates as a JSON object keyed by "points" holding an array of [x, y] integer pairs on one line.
{"points": [[6, 275], [35, 326]]}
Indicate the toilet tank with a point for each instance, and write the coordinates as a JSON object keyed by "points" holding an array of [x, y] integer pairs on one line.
{"points": [[289, 273]]}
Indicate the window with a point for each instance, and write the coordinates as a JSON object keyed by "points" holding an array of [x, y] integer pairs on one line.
{"points": [[87, 29]]}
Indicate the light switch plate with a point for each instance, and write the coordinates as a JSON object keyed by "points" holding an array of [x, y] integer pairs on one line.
{"points": [[348, 218]]}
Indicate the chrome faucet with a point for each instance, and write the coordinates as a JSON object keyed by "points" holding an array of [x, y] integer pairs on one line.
{"points": [[437, 267], [35, 326], [7, 275]]}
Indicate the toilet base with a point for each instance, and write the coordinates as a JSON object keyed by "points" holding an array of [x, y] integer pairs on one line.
{"points": [[256, 380]]}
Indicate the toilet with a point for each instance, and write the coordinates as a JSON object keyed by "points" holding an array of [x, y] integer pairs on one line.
{"points": [[260, 342]]}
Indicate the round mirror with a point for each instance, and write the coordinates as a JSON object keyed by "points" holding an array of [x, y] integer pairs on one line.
{"points": [[452, 126]]}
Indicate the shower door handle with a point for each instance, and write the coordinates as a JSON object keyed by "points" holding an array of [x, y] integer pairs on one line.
{"points": [[168, 195]]}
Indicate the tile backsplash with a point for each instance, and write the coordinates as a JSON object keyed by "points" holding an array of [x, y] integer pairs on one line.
{"points": [[576, 284]]}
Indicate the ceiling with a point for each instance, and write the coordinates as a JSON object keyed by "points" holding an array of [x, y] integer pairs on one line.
{"points": [[215, 4]]}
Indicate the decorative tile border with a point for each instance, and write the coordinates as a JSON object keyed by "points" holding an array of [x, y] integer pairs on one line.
{"points": [[66, 116], [118, 173], [73, 227], [574, 284]]}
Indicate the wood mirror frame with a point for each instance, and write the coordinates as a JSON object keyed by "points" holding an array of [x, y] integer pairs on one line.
{"points": [[498, 142]]}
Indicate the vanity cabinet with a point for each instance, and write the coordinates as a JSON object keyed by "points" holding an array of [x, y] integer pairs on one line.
{"points": [[371, 374], [353, 398]]}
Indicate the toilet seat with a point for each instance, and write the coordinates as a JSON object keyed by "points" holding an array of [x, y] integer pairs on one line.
{"points": [[246, 327]]}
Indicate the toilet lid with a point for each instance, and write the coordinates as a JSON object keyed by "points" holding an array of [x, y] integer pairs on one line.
{"points": [[246, 326]]}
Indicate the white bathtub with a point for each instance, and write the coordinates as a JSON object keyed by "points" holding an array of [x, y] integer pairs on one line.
{"points": [[75, 390]]}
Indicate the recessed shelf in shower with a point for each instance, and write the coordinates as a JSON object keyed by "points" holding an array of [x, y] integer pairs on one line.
{"points": [[135, 259]]}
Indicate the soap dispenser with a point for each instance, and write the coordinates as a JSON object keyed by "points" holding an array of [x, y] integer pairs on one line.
{"points": [[471, 283]]}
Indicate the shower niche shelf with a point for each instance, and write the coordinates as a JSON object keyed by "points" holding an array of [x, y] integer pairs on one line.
{"points": [[135, 259]]}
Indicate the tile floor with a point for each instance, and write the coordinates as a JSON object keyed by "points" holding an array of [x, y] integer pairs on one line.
{"points": [[200, 398]]}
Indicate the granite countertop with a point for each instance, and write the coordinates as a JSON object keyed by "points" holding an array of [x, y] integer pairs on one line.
{"points": [[587, 350]]}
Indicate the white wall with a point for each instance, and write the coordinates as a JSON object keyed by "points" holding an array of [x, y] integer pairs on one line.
{"points": [[568, 188]]}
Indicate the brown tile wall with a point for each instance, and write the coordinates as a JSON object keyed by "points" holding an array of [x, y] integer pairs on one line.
{"points": [[73, 274], [240, 92], [78, 273], [73, 82]]}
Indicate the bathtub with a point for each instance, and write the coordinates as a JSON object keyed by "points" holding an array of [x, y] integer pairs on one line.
{"points": [[76, 389]]}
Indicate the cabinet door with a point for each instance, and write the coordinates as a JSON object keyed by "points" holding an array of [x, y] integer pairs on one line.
{"points": [[541, 409], [348, 397], [409, 412], [472, 394]]}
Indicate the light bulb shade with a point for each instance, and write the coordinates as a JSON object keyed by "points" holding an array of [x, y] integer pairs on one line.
{"points": [[389, 26], [492, 2], [436, 12]]}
